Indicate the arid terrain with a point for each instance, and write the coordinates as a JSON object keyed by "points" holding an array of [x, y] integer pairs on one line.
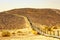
{"points": [[29, 24], [48, 17], [36, 37]]}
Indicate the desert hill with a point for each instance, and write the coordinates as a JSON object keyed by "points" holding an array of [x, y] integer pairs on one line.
{"points": [[9, 21], [49, 17]]}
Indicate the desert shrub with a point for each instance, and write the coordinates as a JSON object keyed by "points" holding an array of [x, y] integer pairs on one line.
{"points": [[13, 33], [5, 34], [34, 32], [19, 32]]}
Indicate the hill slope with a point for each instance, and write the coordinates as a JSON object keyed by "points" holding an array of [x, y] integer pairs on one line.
{"points": [[39, 17], [9, 21]]}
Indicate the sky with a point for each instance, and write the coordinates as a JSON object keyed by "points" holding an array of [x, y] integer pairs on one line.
{"points": [[12, 4]]}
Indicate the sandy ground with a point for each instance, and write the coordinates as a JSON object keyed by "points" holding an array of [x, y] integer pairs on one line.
{"points": [[32, 37]]}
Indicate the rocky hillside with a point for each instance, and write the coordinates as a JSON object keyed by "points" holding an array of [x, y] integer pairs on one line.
{"points": [[9, 21], [48, 17]]}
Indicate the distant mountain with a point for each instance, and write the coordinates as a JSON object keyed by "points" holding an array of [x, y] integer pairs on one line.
{"points": [[49, 17]]}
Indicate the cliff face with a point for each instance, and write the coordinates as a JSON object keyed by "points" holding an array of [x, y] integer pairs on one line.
{"points": [[49, 17]]}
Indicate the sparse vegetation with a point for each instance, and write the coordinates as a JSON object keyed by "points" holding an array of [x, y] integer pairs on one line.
{"points": [[36, 16], [34, 32], [19, 32], [13, 33], [5, 34]]}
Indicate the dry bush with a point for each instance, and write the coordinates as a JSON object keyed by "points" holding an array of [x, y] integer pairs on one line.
{"points": [[5, 34], [19, 33]]}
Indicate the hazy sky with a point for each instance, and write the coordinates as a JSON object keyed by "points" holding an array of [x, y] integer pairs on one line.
{"points": [[11, 4]]}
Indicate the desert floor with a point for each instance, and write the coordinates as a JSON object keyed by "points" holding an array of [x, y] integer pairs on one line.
{"points": [[30, 37]]}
